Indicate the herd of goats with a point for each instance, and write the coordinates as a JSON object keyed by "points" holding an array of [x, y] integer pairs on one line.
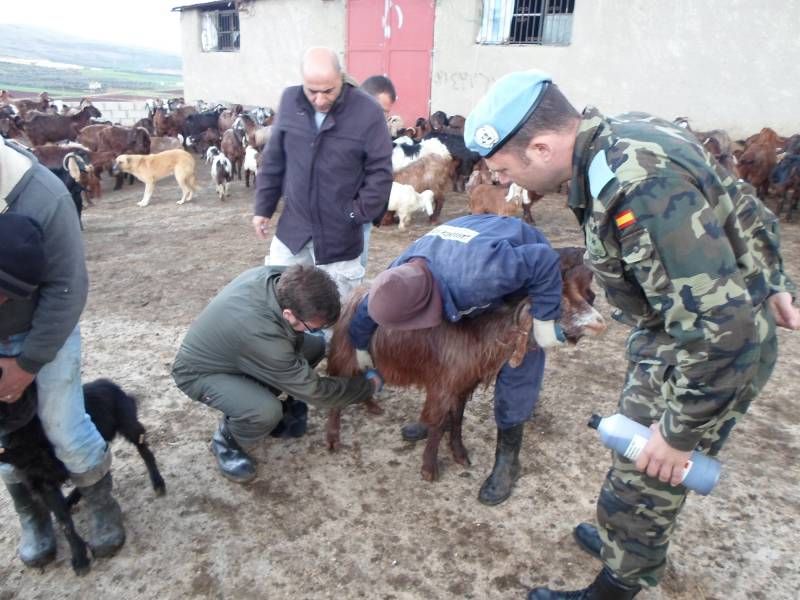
{"points": [[429, 159]]}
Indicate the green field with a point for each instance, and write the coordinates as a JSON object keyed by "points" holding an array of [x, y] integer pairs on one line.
{"points": [[76, 81]]}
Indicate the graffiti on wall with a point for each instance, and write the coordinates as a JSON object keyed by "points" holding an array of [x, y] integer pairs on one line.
{"points": [[462, 81]]}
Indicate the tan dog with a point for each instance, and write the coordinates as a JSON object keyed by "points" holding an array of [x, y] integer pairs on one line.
{"points": [[149, 168]]}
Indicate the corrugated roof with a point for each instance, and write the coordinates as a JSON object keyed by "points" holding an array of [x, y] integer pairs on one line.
{"points": [[215, 4]]}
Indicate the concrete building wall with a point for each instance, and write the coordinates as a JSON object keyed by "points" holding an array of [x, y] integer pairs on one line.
{"points": [[122, 112], [273, 34], [731, 64]]}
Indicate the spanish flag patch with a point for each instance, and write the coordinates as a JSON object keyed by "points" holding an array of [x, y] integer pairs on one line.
{"points": [[625, 219]]}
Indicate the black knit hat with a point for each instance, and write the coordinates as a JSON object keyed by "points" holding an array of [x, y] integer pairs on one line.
{"points": [[22, 259]]}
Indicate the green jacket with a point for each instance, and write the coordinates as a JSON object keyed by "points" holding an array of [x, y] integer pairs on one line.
{"points": [[686, 252], [243, 331]]}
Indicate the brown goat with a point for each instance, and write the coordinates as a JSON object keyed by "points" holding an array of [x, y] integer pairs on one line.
{"points": [[449, 361], [233, 148], [112, 140], [228, 116], [27, 104], [756, 163], [431, 172], [53, 128], [502, 200]]}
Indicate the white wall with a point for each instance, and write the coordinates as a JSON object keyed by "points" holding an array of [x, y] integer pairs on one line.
{"points": [[730, 64], [274, 34]]}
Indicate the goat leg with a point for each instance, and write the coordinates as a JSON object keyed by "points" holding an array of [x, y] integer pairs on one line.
{"points": [[457, 448], [54, 499], [333, 428], [152, 468], [430, 456]]}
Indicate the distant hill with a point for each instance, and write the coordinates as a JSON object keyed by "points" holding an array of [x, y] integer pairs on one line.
{"points": [[102, 68], [20, 41]]}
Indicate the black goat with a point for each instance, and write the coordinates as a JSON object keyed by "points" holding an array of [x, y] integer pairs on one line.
{"points": [[27, 448], [74, 188]]}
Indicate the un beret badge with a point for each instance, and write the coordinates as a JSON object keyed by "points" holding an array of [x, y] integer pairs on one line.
{"points": [[486, 136]]}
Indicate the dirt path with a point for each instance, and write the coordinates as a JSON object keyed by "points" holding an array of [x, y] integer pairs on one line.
{"points": [[361, 523]]}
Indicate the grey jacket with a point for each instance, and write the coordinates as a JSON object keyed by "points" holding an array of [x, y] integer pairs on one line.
{"points": [[242, 331], [52, 314]]}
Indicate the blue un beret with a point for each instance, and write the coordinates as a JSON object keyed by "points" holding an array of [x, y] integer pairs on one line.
{"points": [[503, 110]]}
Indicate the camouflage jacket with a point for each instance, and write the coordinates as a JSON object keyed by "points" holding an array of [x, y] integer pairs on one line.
{"points": [[684, 251]]}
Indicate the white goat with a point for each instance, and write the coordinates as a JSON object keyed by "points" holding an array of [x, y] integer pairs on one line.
{"points": [[404, 200], [250, 164], [407, 151], [221, 173]]}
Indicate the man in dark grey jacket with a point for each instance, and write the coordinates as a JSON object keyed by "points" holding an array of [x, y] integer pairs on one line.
{"points": [[250, 344], [40, 338], [330, 158]]}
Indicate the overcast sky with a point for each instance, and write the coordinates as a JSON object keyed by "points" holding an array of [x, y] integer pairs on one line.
{"points": [[145, 23]]}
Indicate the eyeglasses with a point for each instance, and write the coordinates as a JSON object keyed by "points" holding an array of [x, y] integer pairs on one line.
{"points": [[310, 329]]}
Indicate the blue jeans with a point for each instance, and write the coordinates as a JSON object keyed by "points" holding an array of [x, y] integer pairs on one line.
{"points": [[516, 391], [60, 395]]}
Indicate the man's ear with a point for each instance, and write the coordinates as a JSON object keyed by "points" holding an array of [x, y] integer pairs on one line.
{"points": [[540, 149]]}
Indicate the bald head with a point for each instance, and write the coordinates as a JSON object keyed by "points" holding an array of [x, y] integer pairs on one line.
{"points": [[320, 61], [322, 77]]}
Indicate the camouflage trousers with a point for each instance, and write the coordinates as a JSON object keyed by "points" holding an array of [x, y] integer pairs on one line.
{"points": [[637, 513]]}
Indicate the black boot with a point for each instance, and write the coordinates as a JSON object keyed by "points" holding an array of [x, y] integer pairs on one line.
{"points": [[604, 587], [295, 419], [588, 539], [234, 462], [107, 534], [497, 487], [37, 544], [414, 432]]}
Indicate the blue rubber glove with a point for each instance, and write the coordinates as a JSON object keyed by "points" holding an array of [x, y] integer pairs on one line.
{"points": [[375, 375], [548, 333]]}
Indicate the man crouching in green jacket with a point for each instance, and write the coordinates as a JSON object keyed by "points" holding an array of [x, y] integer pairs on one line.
{"points": [[250, 344]]}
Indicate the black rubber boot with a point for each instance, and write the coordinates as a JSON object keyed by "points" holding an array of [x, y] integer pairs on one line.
{"points": [[234, 462], [107, 533], [414, 432], [604, 587], [497, 487], [588, 539], [295, 420], [37, 544]]}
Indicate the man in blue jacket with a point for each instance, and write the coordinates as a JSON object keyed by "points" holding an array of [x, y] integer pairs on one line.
{"points": [[461, 269], [330, 158]]}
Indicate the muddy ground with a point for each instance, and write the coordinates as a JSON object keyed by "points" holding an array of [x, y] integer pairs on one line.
{"points": [[361, 523]]}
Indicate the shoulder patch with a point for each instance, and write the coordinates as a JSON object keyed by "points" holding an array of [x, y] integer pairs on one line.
{"points": [[600, 174]]}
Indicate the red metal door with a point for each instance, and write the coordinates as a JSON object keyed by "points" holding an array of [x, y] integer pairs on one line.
{"points": [[394, 38]]}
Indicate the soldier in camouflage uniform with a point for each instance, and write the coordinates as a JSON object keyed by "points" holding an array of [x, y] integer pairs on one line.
{"points": [[689, 257]]}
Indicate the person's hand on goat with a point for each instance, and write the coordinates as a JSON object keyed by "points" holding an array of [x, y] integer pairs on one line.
{"points": [[375, 377], [548, 333], [364, 360], [14, 380]]}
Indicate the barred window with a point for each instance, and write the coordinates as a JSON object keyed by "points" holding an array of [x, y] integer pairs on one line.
{"points": [[544, 22], [220, 32]]}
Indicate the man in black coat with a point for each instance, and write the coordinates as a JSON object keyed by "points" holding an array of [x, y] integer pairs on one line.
{"points": [[329, 157]]}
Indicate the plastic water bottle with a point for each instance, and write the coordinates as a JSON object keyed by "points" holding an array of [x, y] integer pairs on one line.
{"points": [[628, 437]]}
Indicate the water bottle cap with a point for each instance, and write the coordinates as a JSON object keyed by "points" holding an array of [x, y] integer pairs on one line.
{"points": [[594, 421]]}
